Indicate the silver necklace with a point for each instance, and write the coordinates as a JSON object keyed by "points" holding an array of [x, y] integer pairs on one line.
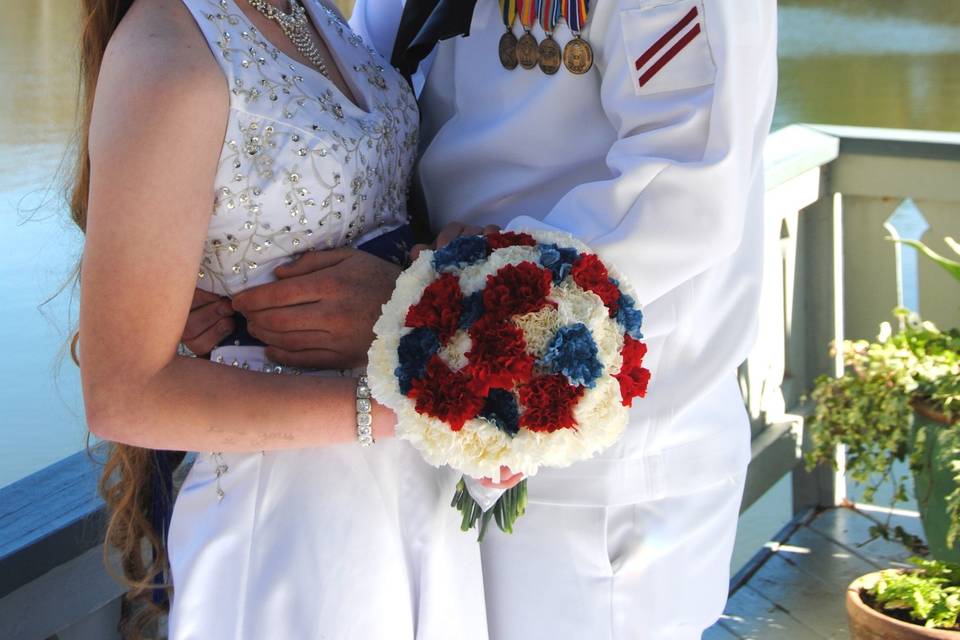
{"points": [[296, 27]]}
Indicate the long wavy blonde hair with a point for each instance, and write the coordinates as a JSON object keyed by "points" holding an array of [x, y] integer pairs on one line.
{"points": [[129, 473]]}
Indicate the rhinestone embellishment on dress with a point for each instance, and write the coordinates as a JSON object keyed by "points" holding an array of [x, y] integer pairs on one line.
{"points": [[302, 167]]}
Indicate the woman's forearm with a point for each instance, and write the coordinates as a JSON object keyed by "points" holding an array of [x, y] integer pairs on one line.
{"points": [[197, 405]]}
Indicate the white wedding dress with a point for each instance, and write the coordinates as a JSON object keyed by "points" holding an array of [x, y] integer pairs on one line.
{"points": [[338, 542]]}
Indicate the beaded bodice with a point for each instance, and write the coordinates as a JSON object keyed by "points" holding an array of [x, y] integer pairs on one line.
{"points": [[302, 167]]}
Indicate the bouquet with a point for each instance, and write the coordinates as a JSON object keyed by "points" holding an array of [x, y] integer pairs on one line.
{"points": [[509, 349]]}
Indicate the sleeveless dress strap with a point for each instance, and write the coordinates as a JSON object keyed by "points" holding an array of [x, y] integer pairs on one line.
{"points": [[209, 14]]}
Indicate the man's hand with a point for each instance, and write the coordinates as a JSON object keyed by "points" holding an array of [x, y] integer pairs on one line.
{"points": [[450, 233], [320, 312], [209, 322]]}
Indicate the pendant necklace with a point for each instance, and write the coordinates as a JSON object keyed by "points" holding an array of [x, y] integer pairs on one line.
{"points": [[296, 26]]}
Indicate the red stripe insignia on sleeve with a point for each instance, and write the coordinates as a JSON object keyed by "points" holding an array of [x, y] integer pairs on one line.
{"points": [[651, 55]]}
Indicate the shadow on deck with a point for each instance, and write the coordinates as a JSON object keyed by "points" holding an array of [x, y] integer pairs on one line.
{"points": [[794, 588]]}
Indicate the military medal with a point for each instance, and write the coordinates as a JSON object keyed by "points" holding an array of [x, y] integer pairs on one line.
{"points": [[550, 55], [528, 51], [578, 54], [508, 41]]}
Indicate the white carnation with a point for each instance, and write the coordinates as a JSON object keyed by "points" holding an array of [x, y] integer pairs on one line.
{"points": [[473, 278], [454, 353], [538, 328]]}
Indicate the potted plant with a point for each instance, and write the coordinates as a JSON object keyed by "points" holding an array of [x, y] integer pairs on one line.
{"points": [[899, 401], [902, 605]]}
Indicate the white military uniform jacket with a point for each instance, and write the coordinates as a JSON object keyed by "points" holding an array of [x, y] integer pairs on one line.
{"points": [[653, 158]]}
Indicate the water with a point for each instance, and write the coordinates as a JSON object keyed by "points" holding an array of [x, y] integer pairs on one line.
{"points": [[41, 420], [880, 63], [876, 63]]}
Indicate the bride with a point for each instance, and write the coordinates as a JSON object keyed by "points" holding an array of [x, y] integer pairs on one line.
{"points": [[220, 138]]}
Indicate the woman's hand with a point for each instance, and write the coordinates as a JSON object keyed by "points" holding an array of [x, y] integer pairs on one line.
{"points": [[508, 480], [209, 322], [450, 233]]}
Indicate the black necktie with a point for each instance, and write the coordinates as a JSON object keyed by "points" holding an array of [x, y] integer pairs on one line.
{"points": [[423, 24]]}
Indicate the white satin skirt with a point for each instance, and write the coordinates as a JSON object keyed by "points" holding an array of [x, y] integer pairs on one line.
{"points": [[334, 543]]}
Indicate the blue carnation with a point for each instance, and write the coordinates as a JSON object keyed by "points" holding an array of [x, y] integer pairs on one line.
{"points": [[501, 409], [558, 259], [472, 309], [460, 252], [573, 353], [629, 317], [415, 350]]}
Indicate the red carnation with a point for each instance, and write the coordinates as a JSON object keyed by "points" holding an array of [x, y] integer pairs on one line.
{"points": [[517, 289], [445, 394], [548, 403], [439, 307], [503, 239], [498, 357], [591, 274], [633, 378]]}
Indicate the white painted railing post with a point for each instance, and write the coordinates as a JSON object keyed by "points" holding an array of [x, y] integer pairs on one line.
{"points": [[821, 284]]}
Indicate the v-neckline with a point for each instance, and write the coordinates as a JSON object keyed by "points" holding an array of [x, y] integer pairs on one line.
{"points": [[305, 69]]}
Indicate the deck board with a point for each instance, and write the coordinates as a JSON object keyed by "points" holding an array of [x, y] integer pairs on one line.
{"points": [[718, 632], [805, 597], [830, 561], [797, 593], [852, 529], [751, 616]]}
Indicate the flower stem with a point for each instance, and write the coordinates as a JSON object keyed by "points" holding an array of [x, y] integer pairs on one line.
{"points": [[505, 511]]}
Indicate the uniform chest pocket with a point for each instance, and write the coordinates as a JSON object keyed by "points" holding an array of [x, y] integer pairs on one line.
{"points": [[666, 46]]}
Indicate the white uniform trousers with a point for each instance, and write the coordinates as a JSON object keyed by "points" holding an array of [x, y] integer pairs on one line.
{"points": [[656, 570]]}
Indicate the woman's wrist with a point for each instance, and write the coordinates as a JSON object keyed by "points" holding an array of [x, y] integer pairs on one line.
{"points": [[373, 420]]}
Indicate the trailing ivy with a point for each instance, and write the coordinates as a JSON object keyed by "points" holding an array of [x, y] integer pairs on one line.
{"points": [[870, 408]]}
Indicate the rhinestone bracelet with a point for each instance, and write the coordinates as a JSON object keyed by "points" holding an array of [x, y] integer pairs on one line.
{"points": [[364, 415]]}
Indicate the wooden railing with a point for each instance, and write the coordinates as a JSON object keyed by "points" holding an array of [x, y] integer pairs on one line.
{"points": [[829, 273]]}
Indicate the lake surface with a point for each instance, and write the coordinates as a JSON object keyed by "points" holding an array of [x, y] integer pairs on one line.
{"points": [[881, 63]]}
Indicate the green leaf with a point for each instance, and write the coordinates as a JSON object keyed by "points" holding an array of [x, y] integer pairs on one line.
{"points": [[930, 594], [952, 266]]}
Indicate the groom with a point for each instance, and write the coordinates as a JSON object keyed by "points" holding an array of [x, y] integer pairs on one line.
{"points": [[638, 126]]}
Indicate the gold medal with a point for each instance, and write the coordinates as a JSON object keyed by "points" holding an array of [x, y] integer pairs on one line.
{"points": [[508, 50], [578, 56], [508, 41], [528, 51], [549, 56]]}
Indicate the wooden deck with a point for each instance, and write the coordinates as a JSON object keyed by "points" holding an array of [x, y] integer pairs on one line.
{"points": [[794, 589]]}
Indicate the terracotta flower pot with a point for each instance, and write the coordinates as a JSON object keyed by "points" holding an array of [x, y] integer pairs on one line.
{"points": [[866, 623]]}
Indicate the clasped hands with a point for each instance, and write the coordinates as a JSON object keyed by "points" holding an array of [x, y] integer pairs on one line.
{"points": [[318, 314]]}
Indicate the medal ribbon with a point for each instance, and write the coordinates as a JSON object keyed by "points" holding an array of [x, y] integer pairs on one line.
{"points": [[508, 12], [550, 12], [576, 13], [528, 13]]}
